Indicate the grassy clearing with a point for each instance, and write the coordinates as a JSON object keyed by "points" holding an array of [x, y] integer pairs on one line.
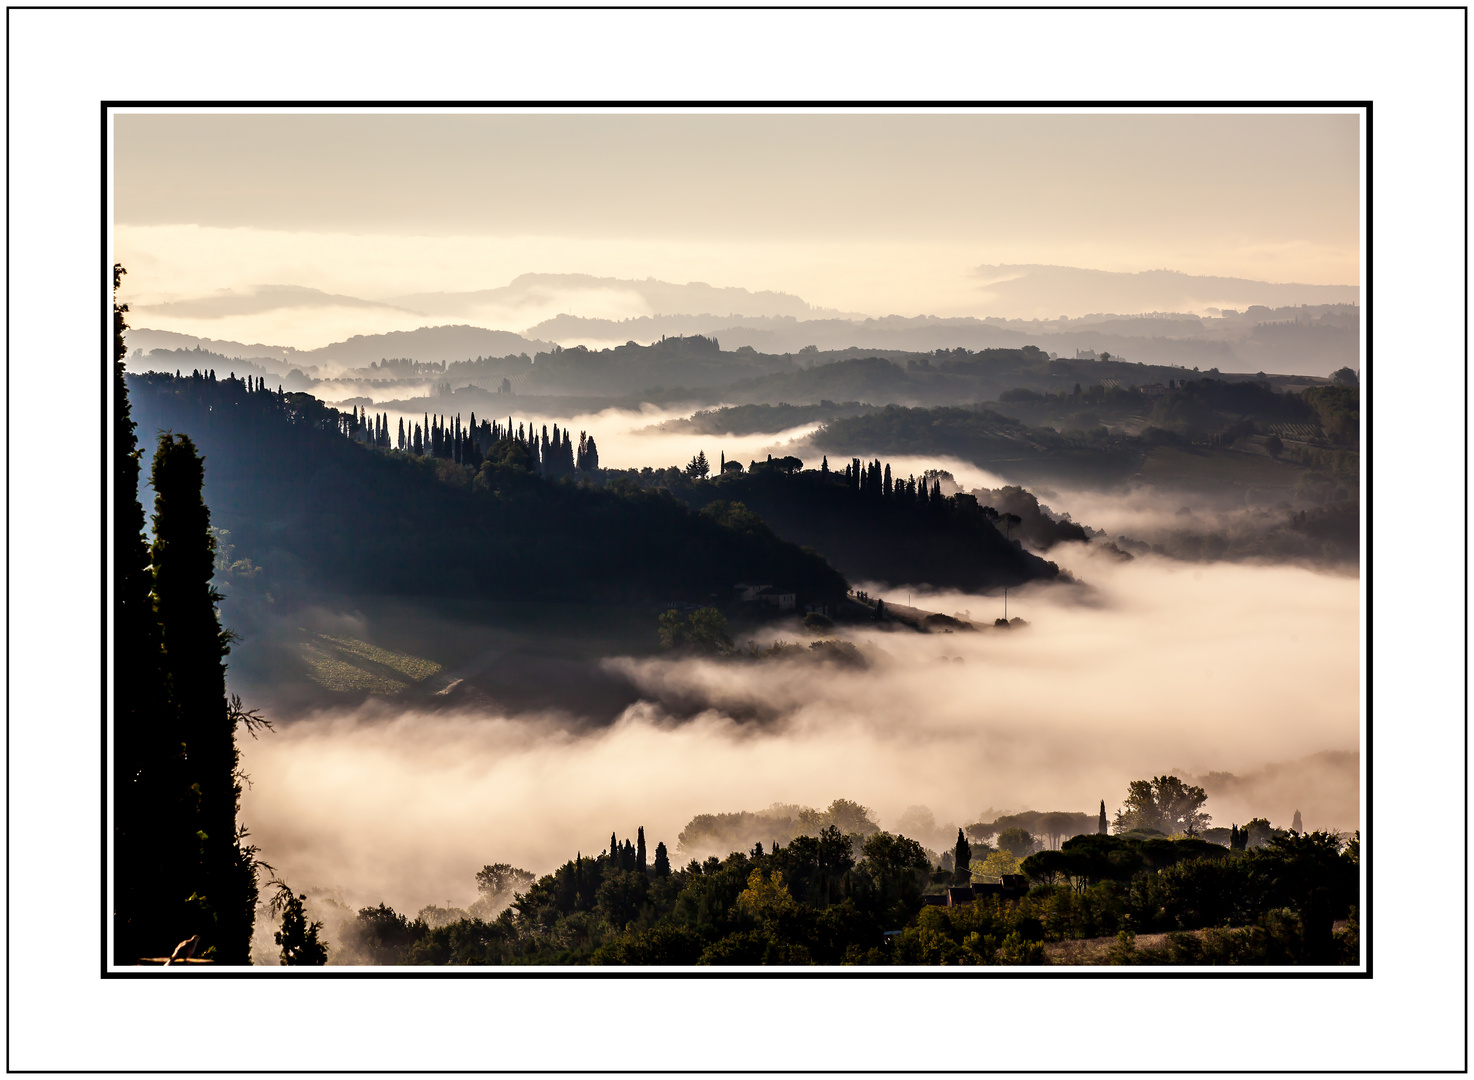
{"points": [[333, 673], [346, 665], [414, 668]]}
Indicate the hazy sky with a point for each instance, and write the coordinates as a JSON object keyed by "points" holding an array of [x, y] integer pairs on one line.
{"points": [[875, 213]]}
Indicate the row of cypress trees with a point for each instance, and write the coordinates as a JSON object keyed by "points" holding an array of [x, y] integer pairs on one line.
{"points": [[446, 437], [868, 479], [180, 864]]}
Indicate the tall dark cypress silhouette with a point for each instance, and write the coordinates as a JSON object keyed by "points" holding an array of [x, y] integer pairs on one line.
{"points": [[640, 863], [1100, 825], [194, 660], [962, 859], [147, 875]]}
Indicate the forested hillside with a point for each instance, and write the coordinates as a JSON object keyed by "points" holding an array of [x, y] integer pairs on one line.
{"points": [[876, 527], [299, 493]]}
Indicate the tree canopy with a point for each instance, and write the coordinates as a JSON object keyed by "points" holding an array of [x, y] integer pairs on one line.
{"points": [[1163, 803]]}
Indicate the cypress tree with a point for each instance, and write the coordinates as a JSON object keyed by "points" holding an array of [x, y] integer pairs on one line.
{"points": [[194, 660], [146, 879], [662, 860], [613, 847], [962, 859], [1297, 825], [1100, 824], [640, 864], [886, 487]]}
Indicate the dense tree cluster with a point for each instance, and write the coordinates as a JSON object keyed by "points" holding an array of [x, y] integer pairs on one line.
{"points": [[471, 443], [905, 532], [820, 899], [831, 897], [1304, 880]]}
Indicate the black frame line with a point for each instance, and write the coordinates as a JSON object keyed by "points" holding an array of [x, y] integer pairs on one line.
{"points": [[107, 108]]}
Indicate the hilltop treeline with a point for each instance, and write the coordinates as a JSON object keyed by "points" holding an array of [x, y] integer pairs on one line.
{"points": [[876, 898], [470, 444], [696, 368], [1065, 434], [881, 527], [301, 496]]}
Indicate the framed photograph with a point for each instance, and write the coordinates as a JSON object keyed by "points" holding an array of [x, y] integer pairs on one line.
{"points": [[962, 568]]}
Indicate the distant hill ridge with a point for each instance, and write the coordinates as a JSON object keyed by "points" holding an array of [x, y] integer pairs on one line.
{"points": [[659, 296], [447, 344], [1164, 317]]}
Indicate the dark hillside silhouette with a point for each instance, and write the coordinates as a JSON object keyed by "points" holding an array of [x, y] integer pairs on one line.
{"points": [[879, 531], [305, 499]]}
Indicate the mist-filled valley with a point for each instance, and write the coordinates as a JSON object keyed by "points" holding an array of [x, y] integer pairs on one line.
{"points": [[1157, 668]]}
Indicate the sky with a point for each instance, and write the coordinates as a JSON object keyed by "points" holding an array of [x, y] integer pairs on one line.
{"points": [[874, 214]]}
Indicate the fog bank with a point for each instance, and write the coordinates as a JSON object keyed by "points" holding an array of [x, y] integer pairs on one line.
{"points": [[1156, 666]]}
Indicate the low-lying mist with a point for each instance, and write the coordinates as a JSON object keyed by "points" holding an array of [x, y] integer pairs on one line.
{"points": [[1152, 666]]}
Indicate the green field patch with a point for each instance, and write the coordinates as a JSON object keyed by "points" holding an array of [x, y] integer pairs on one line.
{"points": [[414, 668], [346, 665], [331, 672]]}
